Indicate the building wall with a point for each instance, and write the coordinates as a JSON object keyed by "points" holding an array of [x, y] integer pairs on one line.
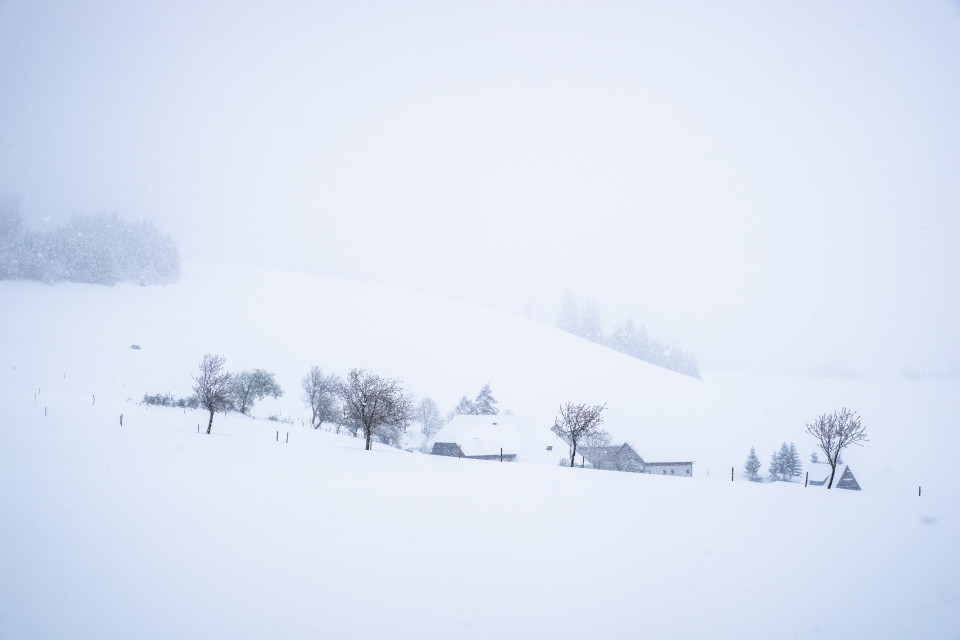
{"points": [[446, 449], [682, 469]]}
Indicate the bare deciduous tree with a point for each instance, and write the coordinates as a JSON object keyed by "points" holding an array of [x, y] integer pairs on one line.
{"points": [[834, 433], [320, 393], [427, 414], [250, 387], [377, 405], [213, 386], [579, 422]]}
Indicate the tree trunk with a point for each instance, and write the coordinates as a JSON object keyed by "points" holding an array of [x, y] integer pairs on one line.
{"points": [[573, 454], [369, 435], [210, 424], [833, 469]]}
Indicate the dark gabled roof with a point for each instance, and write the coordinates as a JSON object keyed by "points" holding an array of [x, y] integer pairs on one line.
{"points": [[847, 481], [616, 457]]}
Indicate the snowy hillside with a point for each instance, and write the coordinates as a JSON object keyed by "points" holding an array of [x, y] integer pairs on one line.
{"points": [[286, 322], [150, 530]]}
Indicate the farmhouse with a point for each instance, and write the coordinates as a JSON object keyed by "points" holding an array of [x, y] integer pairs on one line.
{"points": [[624, 458], [616, 458], [818, 474], [514, 438]]}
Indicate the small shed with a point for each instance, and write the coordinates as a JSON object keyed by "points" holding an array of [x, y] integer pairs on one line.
{"points": [[818, 475]]}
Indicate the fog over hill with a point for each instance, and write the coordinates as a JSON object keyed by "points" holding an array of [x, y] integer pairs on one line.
{"points": [[768, 186]]}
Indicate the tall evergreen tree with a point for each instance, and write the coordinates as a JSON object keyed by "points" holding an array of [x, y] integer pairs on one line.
{"points": [[775, 470], [569, 319], [752, 466], [796, 465], [485, 404], [11, 238], [624, 338], [590, 322], [642, 345], [785, 463]]}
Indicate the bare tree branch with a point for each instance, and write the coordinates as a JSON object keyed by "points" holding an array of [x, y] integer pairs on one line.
{"points": [[213, 386], [834, 433], [320, 394], [377, 405], [579, 422]]}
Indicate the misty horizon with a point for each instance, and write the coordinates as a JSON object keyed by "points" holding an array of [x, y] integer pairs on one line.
{"points": [[770, 187]]}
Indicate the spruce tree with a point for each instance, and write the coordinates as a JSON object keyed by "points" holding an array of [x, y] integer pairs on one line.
{"points": [[569, 315], [776, 467], [752, 466], [590, 322], [786, 466], [796, 466], [485, 404]]}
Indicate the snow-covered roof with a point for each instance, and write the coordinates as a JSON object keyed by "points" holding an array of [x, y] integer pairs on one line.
{"points": [[526, 437]]}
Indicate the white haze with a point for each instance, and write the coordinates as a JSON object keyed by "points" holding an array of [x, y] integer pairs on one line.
{"points": [[769, 185]]}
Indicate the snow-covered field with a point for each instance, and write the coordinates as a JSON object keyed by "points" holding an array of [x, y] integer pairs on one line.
{"points": [[151, 530]]}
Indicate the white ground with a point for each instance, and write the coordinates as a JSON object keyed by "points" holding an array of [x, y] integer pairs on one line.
{"points": [[150, 530]]}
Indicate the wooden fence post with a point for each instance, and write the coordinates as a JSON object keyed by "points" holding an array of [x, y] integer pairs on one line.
{"points": [[278, 436], [501, 454], [919, 491], [288, 438], [731, 474], [806, 479]]}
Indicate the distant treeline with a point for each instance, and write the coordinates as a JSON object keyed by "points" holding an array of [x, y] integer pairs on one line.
{"points": [[100, 249], [625, 338]]}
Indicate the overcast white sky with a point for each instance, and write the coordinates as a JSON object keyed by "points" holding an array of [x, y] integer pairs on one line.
{"points": [[768, 184]]}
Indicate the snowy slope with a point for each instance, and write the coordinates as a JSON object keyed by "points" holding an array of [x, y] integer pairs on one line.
{"points": [[150, 530], [286, 322]]}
